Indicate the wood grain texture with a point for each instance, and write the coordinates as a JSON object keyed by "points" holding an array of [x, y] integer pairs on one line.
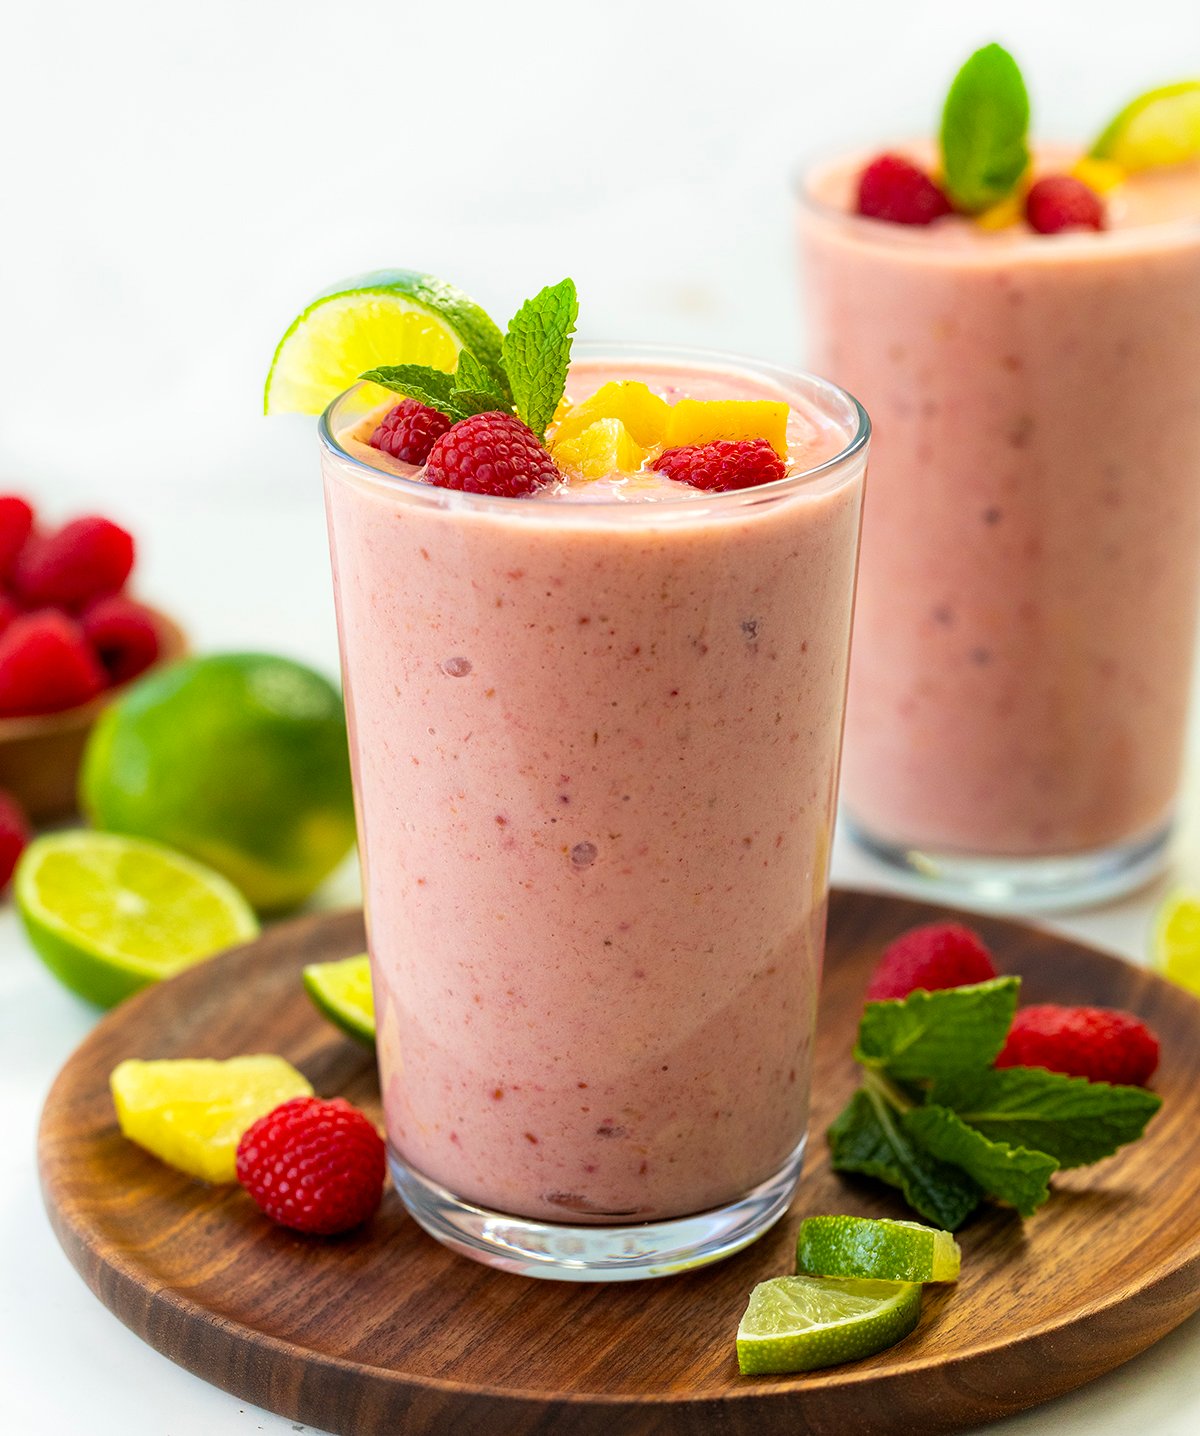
{"points": [[385, 1331]]}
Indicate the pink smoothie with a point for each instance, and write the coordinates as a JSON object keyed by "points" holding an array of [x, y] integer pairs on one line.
{"points": [[596, 751], [1031, 547]]}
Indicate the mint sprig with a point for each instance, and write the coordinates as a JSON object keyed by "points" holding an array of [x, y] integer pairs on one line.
{"points": [[527, 377], [985, 127], [537, 350], [935, 1119]]}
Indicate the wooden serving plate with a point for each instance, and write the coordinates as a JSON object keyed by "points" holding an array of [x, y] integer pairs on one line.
{"points": [[385, 1331], [40, 755]]}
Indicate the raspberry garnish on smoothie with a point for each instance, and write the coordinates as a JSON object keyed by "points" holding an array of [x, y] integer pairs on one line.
{"points": [[521, 418], [986, 175]]}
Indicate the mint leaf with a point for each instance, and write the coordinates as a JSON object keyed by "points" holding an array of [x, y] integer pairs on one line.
{"points": [[417, 381], [938, 1034], [1073, 1120], [1011, 1174], [537, 351], [867, 1138], [984, 127], [475, 390]]}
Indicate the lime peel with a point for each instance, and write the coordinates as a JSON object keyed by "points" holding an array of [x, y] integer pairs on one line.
{"points": [[342, 992], [880, 1250], [109, 914], [802, 1323]]}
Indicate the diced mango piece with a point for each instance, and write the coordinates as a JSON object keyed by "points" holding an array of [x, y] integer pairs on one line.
{"points": [[191, 1113], [643, 412], [604, 447], [701, 421], [1004, 214], [1101, 175]]}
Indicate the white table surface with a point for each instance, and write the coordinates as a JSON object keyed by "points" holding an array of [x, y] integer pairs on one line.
{"points": [[179, 178]]}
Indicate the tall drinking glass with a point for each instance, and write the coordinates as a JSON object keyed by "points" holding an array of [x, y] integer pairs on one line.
{"points": [[595, 750], [1031, 544]]}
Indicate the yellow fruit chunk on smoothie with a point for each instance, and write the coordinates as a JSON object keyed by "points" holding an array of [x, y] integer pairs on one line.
{"points": [[605, 447], [191, 1113], [643, 413], [702, 421]]}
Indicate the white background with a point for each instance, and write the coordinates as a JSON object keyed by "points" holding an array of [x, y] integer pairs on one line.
{"points": [[178, 179]]}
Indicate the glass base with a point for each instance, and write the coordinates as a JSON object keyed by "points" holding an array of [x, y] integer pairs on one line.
{"points": [[1023, 885], [595, 1253]]}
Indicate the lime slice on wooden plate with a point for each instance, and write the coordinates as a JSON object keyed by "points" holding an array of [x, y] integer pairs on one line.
{"points": [[342, 992], [879, 1250], [1175, 947], [108, 914], [1161, 127], [800, 1323], [391, 316], [191, 1113]]}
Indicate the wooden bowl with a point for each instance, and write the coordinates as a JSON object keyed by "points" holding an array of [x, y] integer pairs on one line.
{"points": [[40, 755]]}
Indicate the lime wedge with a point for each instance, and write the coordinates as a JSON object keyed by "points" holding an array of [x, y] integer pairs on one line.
{"points": [[342, 992], [1175, 946], [391, 316], [1161, 127], [108, 914], [880, 1250], [799, 1323], [191, 1113]]}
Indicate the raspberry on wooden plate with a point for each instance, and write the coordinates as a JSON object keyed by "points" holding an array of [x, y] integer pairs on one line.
{"points": [[314, 1166]]}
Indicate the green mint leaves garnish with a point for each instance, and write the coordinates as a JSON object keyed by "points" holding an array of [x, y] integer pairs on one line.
{"points": [[937, 1120], [537, 350], [985, 125], [527, 377]]}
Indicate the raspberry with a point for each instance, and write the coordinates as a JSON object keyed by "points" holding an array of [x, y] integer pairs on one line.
{"points": [[409, 431], [124, 635], [8, 611], [16, 521], [1059, 202], [46, 665], [14, 834], [941, 954], [723, 465], [490, 453], [313, 1166], [1099, 1043], [80, 561], [895, 189]]}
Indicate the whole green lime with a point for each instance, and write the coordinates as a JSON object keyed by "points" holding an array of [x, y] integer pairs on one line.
{"points": [[237, 759]]}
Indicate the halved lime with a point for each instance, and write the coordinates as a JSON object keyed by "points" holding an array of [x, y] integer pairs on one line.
{"points": [[878, 1250], [191, 1112], [1161, 127], [1175, 947], [342, 991], [391, 316], [108, 914], [800, 1323]]}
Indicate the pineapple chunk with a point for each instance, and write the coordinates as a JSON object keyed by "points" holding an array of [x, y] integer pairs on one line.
{"points": [[701, 421], [643, 413], [604, 447], [192, 1113]]}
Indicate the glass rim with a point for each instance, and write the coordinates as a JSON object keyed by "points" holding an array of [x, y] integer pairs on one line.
{"points": [[697, 357], [1041, 247]]}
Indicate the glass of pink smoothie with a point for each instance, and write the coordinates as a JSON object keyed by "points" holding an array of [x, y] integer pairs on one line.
{"points": [[595, 735], [1031, 546]]}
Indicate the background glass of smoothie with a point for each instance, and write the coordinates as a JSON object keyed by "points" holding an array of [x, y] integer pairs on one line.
{"points": [[595, 744], [1031, 545]]}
